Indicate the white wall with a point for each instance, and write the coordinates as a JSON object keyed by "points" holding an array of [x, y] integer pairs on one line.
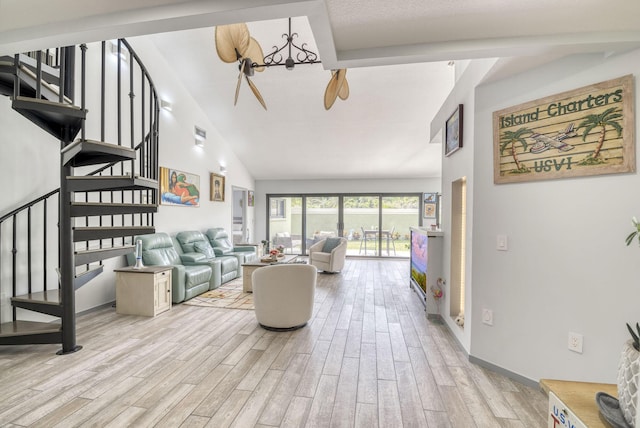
{"points": [[178, 150], [567, 268], [29, 160], [456, 166], [26, 172], [264, 187]]}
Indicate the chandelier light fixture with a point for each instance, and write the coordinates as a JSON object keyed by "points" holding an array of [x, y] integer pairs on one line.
{"points": [[235, 44], [302, 54]]}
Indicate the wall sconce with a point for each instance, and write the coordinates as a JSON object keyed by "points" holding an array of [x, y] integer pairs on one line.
{"points": [[200, 135], [123, 51], [223, 170], [166, 105]]}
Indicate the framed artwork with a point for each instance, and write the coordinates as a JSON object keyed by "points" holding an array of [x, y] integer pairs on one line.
{"points": [[250, 198], [430, 205], [179, 188], [217, 187], [453, 132], [581, 132]]}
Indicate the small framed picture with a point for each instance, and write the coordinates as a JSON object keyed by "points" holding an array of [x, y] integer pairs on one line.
{"points": [[430, 205], [250, 198], [453, 132], [217, 187]]}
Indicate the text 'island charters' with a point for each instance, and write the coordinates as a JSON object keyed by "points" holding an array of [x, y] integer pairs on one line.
{"points": [[586, 131]]}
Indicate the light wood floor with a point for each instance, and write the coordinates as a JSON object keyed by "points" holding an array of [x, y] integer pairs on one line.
{"points": [[368, 358]]}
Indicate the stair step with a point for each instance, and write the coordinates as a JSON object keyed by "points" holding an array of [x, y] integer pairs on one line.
{"points": [[29, 332], [89, 152], [49, 88], [113, 182], [106, 232], [49, 74], [86, 276], [46, 302], [95, 255], [63, 121], [83, 209]]}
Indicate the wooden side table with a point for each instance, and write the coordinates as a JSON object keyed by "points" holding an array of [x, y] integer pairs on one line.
{"points": [[575, 403], [249, 268], [145, 291]]}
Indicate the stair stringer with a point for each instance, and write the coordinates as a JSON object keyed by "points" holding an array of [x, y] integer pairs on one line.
{"points": [[84, 214]]}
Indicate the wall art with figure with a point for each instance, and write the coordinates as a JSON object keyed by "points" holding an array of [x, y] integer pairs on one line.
{"points": [[179, 188], [217, 187]]}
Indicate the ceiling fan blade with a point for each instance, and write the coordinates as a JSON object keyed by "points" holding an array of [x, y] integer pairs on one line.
{"points": [[343, 93], [254, 53], [239, 81], [232, 40], [333, 88], [255, 91]]}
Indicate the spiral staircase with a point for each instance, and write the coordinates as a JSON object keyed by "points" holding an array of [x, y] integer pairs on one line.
{"points": [[108, 189]]}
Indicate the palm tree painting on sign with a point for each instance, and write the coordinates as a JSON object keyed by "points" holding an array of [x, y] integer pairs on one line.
{"points": [[609, 117], [511, 139]]}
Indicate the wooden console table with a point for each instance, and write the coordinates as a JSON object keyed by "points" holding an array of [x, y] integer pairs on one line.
{"points": [[248, 268], [577, 401]]}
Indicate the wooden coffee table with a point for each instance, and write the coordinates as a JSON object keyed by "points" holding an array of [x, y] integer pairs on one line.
{"points": [[248, 268]]}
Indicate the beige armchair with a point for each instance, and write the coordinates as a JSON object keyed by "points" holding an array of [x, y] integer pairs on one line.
{"points": [[283, 295], [329, 254]]}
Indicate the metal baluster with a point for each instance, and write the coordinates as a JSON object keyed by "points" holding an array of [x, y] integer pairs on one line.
{"points": [[83, 60], [29, 250], [44, 244], [102, 91], [63, 72], [14, 251], [38, 75]]}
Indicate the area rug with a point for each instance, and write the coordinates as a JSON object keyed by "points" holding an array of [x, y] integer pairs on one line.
{"points": [[229, 295]]}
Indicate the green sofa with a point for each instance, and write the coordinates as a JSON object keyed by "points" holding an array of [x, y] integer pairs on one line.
{"points": [[194, 249], [187, 281], [222, 246]]}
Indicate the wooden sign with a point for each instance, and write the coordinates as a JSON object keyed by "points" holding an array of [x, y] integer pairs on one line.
{"points": [[586, 131]]}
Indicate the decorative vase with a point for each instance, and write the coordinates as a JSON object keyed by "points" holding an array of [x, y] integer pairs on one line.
{"points": [[628, 376]]}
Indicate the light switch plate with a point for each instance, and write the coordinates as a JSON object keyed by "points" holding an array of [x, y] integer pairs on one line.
{"points": [[501, 243]]}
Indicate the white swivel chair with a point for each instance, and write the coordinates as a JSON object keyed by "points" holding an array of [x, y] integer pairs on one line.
{"points": [[283, 295], [329, 254]]}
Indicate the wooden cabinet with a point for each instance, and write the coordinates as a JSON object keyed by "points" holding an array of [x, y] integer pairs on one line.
{"points": [[145, 291], [573, 404]]}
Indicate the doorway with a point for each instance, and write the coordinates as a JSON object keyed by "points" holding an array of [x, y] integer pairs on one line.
{"points": [[239, 228]]}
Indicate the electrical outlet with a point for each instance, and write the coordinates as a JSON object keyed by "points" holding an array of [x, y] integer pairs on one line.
{"points": [[487, 316], [575, 342]]}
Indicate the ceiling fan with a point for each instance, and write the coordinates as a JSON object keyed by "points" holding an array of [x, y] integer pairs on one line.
{"points": [[234, 43]]}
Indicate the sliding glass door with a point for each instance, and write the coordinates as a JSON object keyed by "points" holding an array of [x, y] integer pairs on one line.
{"points": [[375, 225], [398, 214], [322, 219], [285, 223], [361, 219]]}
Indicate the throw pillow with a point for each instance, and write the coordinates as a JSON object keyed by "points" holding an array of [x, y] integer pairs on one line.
{"points": [[204, 248], [330, 244]]}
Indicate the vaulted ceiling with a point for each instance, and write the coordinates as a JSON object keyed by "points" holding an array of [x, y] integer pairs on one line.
{"points": [[397, 56]]}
